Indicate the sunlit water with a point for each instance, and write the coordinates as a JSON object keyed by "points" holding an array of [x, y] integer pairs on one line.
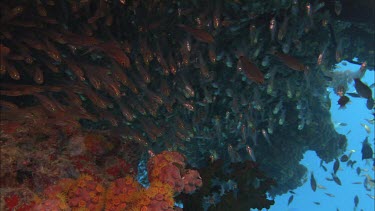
{"points": [[354, 114]]}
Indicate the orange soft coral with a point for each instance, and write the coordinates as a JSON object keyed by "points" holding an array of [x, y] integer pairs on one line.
{"points": [[169, 168], [55, 197], [159, 196], [167, 176], [97, 144], [86, 194], [120, 193]]}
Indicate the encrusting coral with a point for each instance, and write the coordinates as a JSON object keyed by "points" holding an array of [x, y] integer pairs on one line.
{"points": [[89, 193]]}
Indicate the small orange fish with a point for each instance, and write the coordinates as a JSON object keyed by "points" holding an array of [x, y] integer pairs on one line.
{"points": [[164, 88], [163, 63], [24, 53], [46, 61], [8, 105], [13, 72], [33, 43], [186, 104], [46, 102], [136, 105], [126, 111], [99, 13], [52, 51], [250, 151], [143, 71], [283, 29], [172, 64], [113, 50], [198, 34], [38, 75], [290, 61], [4, 51], [106, 115], [96, 99], [251, 71], [212, 53], [112, 87], [121, 76], [94, 79], [273, 28], [78, 40], [78, 72], [41, 9], [13, 13], [73, 98]]}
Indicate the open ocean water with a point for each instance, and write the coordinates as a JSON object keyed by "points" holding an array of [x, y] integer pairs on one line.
{"points": [[354, 114]]}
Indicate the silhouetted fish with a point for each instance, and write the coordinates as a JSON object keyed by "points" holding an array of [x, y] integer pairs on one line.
{"points": [[330, 194], [356, 201], [358, 171], [316, 202], [344, 158], [351, 163], [353, 94], [366, 150], [336, 166], [336, 179], [366, 184], [370, 103], [366, 127], [362, 89], [343, 101], [290, 199], [313, 182]]}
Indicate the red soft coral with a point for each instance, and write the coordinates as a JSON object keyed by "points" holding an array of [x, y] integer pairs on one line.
{"points": [[192, 181]]}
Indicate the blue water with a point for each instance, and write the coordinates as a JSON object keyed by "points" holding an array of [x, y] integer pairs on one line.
{"points": [[354, 114]]}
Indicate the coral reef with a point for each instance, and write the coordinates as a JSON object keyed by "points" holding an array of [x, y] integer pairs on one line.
{"points": [[87, 193], [238, 186], [88, 87], [159, 196], [120, 193]]}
